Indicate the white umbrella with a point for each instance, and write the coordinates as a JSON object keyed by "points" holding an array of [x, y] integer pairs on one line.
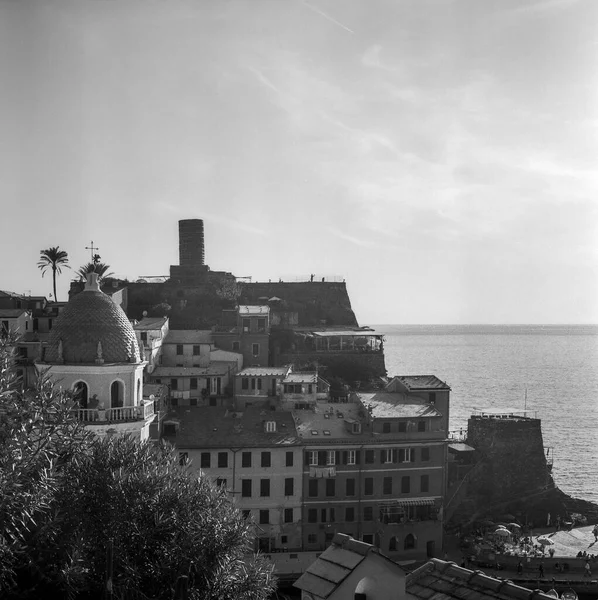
{"points": [[545, 542]]}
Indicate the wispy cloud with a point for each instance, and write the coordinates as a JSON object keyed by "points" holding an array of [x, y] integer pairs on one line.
{"points": [[350, 238], [328, 17]]}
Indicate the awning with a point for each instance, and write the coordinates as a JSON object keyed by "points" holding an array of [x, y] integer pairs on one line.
{"points": [[410, 502], [460, 447]]}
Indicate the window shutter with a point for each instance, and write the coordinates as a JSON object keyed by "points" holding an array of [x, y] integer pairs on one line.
{"points": [[337, 458], [322, 458], [412, 454], [357, 456], [307, 457], [345, 454], [395, 455]]}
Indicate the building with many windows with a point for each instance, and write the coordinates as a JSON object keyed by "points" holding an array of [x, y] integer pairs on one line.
{"points": [[256, 455], [374, 468]]}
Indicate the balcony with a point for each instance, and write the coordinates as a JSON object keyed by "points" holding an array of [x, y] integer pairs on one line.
{"points": [[117, 415]]}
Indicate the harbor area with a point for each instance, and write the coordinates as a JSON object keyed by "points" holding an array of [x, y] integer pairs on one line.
{"points": [[539, 559]]}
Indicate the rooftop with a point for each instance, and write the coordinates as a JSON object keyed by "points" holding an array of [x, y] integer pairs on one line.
{"points": [[328, 422], [393, 405], [214, 369], [248, 310], [264, 372], [150, 323], [347, 333], [301, 377], [422, 382], [188, 336], [11, 313], [210, 427]]}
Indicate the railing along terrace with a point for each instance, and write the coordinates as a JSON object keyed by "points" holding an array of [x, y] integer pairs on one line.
{"points": [[121, 413]]}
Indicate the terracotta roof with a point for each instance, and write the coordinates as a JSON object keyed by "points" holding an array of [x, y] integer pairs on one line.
{"points": [[11, 313], [150, 323], [188, 336], [263, 372], [422, 382], [446, 580], [211, 427], [88, 318]]}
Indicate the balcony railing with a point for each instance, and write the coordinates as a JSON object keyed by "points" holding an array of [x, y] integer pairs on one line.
{"points": [[116, 415]]}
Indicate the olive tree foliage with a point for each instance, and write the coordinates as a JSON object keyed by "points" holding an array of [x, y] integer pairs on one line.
{"points": [[162, 522], [66, 496], [38, 436]]}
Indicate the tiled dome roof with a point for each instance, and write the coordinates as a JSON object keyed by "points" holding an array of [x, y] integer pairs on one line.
{"points": [[88, 318]]}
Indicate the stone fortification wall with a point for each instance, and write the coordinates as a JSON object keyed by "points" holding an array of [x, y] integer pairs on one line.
{"points": [[512, 471], [359, 365], [317, 303]]}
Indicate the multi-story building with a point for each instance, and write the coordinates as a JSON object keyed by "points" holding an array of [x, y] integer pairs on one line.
{"points": [[246, 330], [374, 468], [150, 333], [195, 372], [256, 455]]}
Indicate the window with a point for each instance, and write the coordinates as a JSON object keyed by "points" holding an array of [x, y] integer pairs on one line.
{"points": [[270, 426], [236, 346], [406, 455], [245, 383], [421, 426], [264, 488], [351, 457], [289, 486], [246, 459], [350, 487], [261, 325], [330, 487], [330, 457], [368, 513], [246, 514], [385, 427], [220, 481], [288, 515], [424, 484], [264, 517], [144, 337], [255, 349], [246, 323], [312, 515], [313, 488], [223, 459], [253, 383], [179, 349], [312, 538], [289, 459], [193, 383], [425, 454], [409, 543], [174, 384], [196, 350], [405, 484], [183, 458], [432, 397], [369, 457], [385, 456], [368, 486], [392, 544], [174, 402], [23, 352], [259, 383], [349, 514], [266, 459], [193, 401], [402, 426], [387, 485], [323, 515], [312, 458], [205, 460], [246, 488]]}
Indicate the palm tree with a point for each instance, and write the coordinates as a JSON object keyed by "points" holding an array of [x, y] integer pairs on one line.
{"points": [[95, 267], [55, 259]]}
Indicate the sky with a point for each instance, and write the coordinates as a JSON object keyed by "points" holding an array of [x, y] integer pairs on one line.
{"points": [[439, 155]]}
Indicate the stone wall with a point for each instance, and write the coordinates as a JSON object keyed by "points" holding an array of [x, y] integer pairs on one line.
{"points": [[317, 303], [511, 473]]}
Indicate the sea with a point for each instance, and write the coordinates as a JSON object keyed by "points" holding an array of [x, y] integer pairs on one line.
{"points": [[550, 370]]}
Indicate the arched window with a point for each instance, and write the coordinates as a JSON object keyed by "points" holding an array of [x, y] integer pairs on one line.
{"points": [[81, 393], [116, 394], [392, 544], [410, 541]]}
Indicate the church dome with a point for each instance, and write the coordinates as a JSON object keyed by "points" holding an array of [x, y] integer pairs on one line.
{"points": [[92, 329]]}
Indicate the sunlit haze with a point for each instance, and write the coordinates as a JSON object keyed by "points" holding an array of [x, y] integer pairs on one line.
{"points": [[438, 155]]}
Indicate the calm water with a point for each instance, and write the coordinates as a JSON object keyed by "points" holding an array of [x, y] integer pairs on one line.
{"points": [[491, 367]]}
